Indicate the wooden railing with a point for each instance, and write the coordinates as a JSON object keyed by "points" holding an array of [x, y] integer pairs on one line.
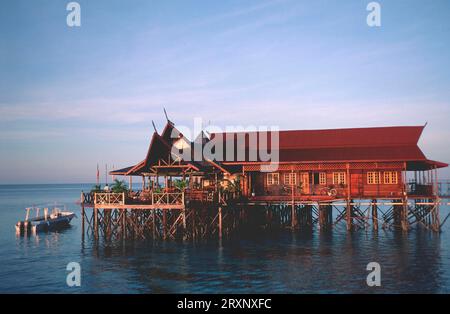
{"points": [[200, 195], [166, 198], [87, 198], [420, 189], [442, 188], [151, 198], [109, 199]]}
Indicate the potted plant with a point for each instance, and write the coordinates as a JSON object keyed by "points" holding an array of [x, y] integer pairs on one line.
{"points": [[119, 186]]}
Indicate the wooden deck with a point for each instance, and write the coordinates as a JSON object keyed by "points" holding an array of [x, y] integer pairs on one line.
{"points": [[177, 215], [139, 206], [110, 200], [178, 200], [326, 198], [287, 198]]}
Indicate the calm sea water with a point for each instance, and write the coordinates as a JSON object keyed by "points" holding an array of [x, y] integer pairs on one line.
{"points": [[316, 262]]}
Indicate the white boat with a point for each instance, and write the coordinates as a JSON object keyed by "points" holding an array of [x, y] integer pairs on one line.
{"points": [[54, 220]]}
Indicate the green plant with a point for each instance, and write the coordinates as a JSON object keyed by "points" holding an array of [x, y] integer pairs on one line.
{"points": [[180, 184], [119, 186], [157, 189], [234, 186], [96, 188]]}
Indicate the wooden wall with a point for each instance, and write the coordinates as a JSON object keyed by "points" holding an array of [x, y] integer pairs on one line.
{"points": [[357, 183]]}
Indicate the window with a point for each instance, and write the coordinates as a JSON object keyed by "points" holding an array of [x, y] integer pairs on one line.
{"points": [[338, 177], [323, 178], [290, 178], [373, 177], [273, 179], [390, 177]]}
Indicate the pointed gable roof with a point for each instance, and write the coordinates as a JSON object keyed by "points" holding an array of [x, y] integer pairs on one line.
{"points": [[354, 137], [398, 143]]}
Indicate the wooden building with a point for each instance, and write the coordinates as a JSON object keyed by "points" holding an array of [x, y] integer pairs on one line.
{"points": [[316, 176], [362, 163]]}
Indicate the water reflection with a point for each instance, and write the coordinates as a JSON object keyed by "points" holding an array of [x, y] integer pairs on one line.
{"points": [[311, 261]]}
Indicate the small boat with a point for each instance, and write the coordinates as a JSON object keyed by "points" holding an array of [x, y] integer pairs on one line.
{"points": [[49, 221]]}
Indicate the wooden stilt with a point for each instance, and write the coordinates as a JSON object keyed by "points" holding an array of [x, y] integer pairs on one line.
{"points": [[96, 222], [107, 222], [404, 217], [293, 215], [154, 223], [124, 223], [220, 222], [349, 214], [374, 214], [164, 224], [83, 216], [193, 214], [397, 214]]}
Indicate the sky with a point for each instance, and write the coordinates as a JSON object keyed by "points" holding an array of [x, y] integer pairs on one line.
{"points": [[72, 97]]}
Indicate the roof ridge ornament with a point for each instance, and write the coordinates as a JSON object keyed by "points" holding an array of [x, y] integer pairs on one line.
{"points": [[167, 117]]}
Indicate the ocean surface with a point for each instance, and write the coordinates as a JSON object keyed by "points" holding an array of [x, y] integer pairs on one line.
{"points": [[314, 262]]}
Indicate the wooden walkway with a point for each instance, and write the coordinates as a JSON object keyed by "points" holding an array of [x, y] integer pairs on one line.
{"points": [[173, 215]]}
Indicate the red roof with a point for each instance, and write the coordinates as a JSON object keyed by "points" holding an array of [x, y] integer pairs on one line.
{"points": [[392, 153], [333, 145], [355, 144], [355, 137]]}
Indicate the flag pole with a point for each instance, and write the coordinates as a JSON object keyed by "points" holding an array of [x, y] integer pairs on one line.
{"points": [[112, 176], [98, 175]]}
